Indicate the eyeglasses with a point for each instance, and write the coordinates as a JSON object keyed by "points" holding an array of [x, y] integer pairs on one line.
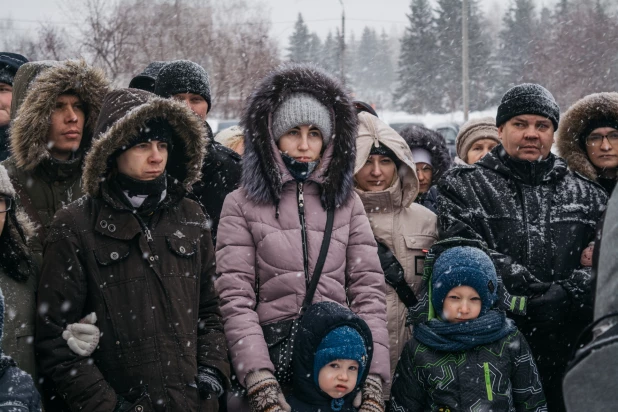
{"points": [[5, 204], [597, 139]]}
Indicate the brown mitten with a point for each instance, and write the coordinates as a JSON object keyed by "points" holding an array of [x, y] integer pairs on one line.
{"points": [[369, 399], [265, 393]]}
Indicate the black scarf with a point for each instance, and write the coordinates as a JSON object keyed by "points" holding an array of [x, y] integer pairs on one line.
{"points": [[141, 195], [300, 171]]}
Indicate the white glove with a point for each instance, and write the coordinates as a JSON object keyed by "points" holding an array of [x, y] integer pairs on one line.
{"points": [[83, 337]]}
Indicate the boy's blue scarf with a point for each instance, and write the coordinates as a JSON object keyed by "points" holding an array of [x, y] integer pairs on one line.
{"points": [[458, 337]]}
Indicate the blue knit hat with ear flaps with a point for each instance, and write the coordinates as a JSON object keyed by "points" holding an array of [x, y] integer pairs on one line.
{"points": [[464, 266], [340, 343]]}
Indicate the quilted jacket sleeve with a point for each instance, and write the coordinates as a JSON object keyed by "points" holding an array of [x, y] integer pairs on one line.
{"points": [[366, 288], [235, 255]]}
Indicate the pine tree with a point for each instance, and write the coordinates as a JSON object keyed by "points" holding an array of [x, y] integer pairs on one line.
{"points": [[330, 54], [314, 51], [515, 52], [300, 41], [417, 62]]}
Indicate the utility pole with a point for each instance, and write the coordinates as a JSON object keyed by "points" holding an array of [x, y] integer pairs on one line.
{"points": [[342, 45], [465, 80]]}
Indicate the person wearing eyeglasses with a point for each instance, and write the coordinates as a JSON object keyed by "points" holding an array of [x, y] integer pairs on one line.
{"points": [[588, 138]]}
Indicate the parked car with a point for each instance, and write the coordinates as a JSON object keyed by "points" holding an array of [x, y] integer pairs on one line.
{"points": [[398, 126], [449, 131]]}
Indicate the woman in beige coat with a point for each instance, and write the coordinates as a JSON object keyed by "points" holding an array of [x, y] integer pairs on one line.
{"points": [[386, 181]]}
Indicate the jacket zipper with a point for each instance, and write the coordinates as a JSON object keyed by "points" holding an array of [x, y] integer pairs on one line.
{"points": [[303, 230], [490, 395]]}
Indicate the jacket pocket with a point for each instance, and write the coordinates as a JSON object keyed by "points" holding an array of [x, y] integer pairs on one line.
{"points": [[112, 259], [415, 257], [181, 247]]}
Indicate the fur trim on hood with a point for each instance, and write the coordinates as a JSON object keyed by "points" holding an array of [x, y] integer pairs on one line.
{"points": [[263, 177], [372, 131], [575, 121], [433, 142], [124, 113], [28, 134]]}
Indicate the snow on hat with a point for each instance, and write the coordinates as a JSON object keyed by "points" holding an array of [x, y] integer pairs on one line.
{"points": [[473, 131], [183, 76], [146, 80], [464, 266], [528, 98], [302, 109], [421, 155], [9, 63], [341, 343]]}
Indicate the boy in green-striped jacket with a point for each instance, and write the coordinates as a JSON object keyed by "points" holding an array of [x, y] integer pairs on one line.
{"points": [[471, 357]]}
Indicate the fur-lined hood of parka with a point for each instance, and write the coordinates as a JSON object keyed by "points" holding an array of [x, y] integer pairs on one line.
{"points": [[15, 256], [29, 129], [263, 177], [433, 142], [124, 113], [575, 122]]}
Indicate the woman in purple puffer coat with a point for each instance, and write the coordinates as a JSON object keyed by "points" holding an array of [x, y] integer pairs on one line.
{"points": [[300, 132]]}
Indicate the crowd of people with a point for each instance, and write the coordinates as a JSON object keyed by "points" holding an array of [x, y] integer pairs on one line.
{"points": [[309, 259]]}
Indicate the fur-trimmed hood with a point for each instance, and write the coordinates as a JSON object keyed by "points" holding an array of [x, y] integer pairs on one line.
{"points": [[124, 113], [15, 256], [433, 142], [575, 122], [29, 128], [263, 170]]}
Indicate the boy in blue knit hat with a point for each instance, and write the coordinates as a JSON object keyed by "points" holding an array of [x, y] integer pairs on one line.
{"points": [[470, 357], [330, 361]]}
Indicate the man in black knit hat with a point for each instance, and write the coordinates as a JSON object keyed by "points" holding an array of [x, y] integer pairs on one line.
{"points": [[537, 217], [9, 63], [189, 83]]}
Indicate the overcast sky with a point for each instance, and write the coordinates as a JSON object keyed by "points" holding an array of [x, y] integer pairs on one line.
{"points": [[320, 15]]}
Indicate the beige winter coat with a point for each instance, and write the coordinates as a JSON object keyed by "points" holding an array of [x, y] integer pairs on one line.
{"points": [[405, 227]]}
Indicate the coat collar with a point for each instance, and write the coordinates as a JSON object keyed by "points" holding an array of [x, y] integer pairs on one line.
{"points": [[384, 201], [531, 173]]}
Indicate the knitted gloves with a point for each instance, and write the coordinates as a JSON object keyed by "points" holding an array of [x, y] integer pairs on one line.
{"points": [[265, 393], [209, 382], [83, 337], [369, 399]]}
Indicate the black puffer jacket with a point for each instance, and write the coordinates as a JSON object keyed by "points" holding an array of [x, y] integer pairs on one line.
{"points": [[221, 172], [319, 320], [536, 217], [500, 376]]}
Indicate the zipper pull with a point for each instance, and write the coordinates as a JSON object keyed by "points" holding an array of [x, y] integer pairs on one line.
{"points": [[301, 197], [148, 235]]}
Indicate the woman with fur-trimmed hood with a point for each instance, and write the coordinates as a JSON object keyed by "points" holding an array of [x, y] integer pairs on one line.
{"points": [[18, 278], [300, 132], [136, 252], [432, 160], [386, 182], [54, 110], [587, 138]]}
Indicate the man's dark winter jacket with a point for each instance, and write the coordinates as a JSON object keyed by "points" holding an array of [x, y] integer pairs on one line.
{"points": [[4, 142], [536, 217], [500, 376], [17, 391], [429, 199], [319, 320], [149, 279], [221, 174]]}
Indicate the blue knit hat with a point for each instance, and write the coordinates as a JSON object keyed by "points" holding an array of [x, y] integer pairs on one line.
{"points": [[464, 266], [341, 343]]}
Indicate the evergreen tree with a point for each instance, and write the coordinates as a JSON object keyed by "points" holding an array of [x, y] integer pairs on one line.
{"points": [[330, 54], [516, 37], [415, 91], [300, 42], [314, 51]]}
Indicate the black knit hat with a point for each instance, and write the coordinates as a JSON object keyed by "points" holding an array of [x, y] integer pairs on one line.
{"points": [[9, 63], [146, 79], [528, 98], [183, 76], [384, 151]]}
